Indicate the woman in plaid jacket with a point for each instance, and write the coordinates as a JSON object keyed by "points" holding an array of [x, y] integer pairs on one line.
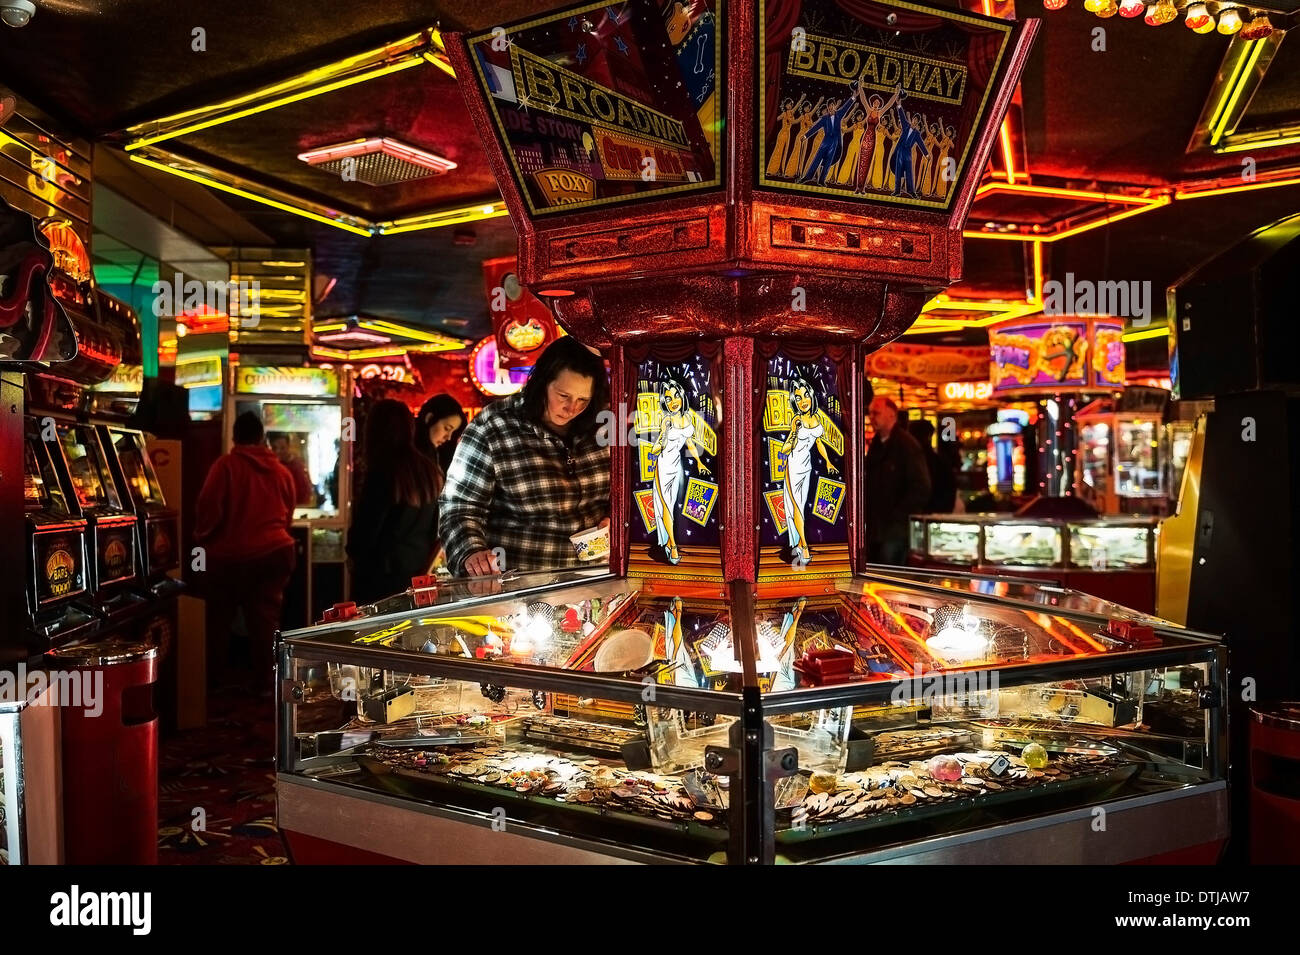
{"points": [[529, 472]]}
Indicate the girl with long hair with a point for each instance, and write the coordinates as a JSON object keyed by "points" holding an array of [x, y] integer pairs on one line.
{"points": [[395, 521]]}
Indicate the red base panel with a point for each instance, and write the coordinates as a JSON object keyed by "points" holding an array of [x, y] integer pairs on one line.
{"points": [[309, 850]]}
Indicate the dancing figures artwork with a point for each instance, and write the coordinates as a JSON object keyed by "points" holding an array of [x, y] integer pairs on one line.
{"points": [[873, 101]]}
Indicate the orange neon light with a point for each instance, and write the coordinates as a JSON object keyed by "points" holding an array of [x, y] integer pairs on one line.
{"points": [[1046, 623], [1006, 153], [1079, 633], [1241, 187], [1060, 192]]}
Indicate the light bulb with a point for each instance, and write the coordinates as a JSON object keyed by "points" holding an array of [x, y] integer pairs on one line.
{"points": [[1229, 21], [1054, 4], [1108, 10], [1198, 18], [1092, 6], [1158, 14], [1132, 8]]}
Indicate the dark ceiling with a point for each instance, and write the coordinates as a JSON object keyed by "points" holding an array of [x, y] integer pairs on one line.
{"points": [[1121, 116]]}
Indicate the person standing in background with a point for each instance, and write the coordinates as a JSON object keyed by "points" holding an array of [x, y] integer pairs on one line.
{"points": [[529, 472], [437, 427], [243, 516], [394, 528], [304, 491], [943, 478], [897, 485]]}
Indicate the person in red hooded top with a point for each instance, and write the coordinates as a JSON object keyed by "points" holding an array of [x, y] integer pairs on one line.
{"points": [[242, 523]]}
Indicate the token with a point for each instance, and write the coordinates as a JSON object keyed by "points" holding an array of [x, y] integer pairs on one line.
{"points": [[522, 789], [908, 799], [1035, 773], [586, 795], [917, 793], [704, 816], [1052, 772], [933, 792], [1062, 775], [990, 784]]}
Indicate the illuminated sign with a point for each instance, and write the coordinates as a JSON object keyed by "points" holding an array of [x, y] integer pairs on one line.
{"points": [[199, 372], [487, 374], [873, 101], [928, 364], [384, 372], [70, 255], [603, 103], [309, 382], [968, 390], [1042, 354]]}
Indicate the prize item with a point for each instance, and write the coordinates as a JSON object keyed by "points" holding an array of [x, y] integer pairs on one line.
{"points": [[591, 544], [624, 651], [1034, 755], [821, 667], [945, 768], [822, 782], [999, 766]]}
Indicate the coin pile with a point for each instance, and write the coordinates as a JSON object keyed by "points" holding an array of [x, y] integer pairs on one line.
{"points": [[895, 785], [901, 744], [535, 772], [594, 736]]}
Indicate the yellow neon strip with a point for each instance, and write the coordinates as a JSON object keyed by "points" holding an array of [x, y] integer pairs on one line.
{"points": [[1006, 153], [391, 328], [332, 327], [311, 76], [284, 265], [1198, 193], [279, 101], [1240, 85], [441, 63], [1155, 204], [245, 194], [1221, 109], [1026, 189], [438, 219], [1037, 295], [1259, 144], [1161, 332]]}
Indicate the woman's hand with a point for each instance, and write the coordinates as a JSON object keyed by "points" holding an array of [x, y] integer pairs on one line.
{"points": [[481, 564]]}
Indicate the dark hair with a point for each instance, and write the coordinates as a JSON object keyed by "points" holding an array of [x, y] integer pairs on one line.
{"points": [[391, 456], [432, 411], [889, 403], [567, 354], [795, 382], [248, 429]]}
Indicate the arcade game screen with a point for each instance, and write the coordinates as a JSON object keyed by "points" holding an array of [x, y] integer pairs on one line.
{"points": [[88, 467]]}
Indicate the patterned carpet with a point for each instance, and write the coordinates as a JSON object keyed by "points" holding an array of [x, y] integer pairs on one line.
{"points": [[216, 799]]}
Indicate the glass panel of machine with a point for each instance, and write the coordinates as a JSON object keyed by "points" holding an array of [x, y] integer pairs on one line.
{"points": [[306, 437], [1137, 458], [1110, 546], [655, 630], [528, 757], [841, 84], [88, 468], [601, 104], [955, 542], [972, 747], [1022, 545], [41, 488], [137, 467]]}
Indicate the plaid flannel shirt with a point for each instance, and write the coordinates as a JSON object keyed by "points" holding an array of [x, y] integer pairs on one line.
{"points": [[514, 485]]}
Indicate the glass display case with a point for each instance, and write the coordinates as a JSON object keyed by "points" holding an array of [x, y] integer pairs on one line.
{"points": [[1012, 543], [1000, 541], [1112, 545], [1120, 466], [582, 717]]}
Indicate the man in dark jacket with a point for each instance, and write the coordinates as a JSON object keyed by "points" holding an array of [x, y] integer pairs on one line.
{"points": [[898, 484], [242, 520]]}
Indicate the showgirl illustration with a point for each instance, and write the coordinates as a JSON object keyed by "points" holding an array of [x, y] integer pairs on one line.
{"points": [[675, 651], [788, 116], [875, 109], [676, 434], [806, 430], [786, 678]]}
